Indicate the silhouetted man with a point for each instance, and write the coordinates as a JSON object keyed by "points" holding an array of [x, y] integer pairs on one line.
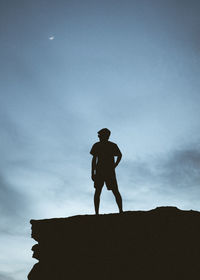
{"points": [[103, 167]]}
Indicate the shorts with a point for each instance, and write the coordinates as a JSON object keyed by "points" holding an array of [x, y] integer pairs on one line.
{"points": [[109, 179]]}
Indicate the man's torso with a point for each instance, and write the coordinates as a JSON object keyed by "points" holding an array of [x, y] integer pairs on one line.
{"points": [[105, 153]]}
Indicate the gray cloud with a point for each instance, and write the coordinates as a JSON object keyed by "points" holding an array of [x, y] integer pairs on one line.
{"points": [[177, 170], [5, 276], [182, 168], [13, 206], [172, 178], [10, 201], [138, 171]]}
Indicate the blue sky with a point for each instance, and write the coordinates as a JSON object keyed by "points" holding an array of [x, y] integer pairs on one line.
{"points": [[132, 66]]}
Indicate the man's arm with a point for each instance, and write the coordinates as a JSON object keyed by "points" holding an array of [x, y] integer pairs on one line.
{"points": [[118, 154], [94, 165], [119, 157]]}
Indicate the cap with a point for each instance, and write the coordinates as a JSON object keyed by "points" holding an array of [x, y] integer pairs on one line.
{"points": [[104, 131]]}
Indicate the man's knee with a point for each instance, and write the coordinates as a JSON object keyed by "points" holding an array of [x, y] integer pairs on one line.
{"points": [[97, 192]]}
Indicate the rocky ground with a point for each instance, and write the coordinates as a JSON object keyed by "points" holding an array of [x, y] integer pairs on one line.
{"points": [[159, 244]]}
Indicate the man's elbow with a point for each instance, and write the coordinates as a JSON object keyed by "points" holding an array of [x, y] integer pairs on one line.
{"points": [[119, 157], [94, 159]]}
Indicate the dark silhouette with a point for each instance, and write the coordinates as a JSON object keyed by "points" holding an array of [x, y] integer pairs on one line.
{"points": [[161, 244], [103, 167]]}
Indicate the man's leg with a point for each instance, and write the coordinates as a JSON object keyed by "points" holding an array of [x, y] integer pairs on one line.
{"points": [[118, 200], [97, 200]]}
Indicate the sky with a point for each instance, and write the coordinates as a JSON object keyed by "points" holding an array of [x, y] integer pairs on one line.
{"points": [[72, 67]]}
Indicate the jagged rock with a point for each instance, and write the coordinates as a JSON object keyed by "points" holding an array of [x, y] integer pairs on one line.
{"points": [[159, 244]]}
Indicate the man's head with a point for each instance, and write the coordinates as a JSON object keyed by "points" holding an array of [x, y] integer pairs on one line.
{"points": [[104, 134]]}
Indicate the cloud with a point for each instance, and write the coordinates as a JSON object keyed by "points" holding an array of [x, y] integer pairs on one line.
{"points": [[139, 171], [181, 169], [5, 276], [177, 168], [10, 199], [172, 178], [13, 205]]}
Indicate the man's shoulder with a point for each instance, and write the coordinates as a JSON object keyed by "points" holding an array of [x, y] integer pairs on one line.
{"points": [[100, 145], [94, 148], [115, 149], [96, 144], [112, 143]]}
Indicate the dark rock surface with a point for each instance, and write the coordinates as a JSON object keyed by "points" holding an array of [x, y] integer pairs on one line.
{"points": [[159, 244]]}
